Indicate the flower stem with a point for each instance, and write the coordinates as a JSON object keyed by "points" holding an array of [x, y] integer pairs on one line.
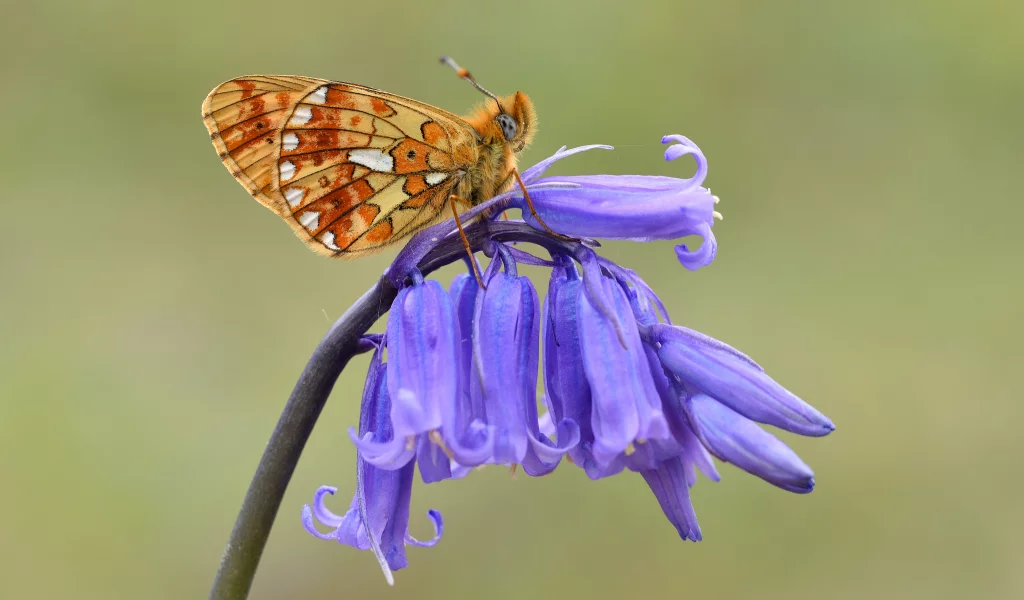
{"points": [[342, 342], [252, 527]]}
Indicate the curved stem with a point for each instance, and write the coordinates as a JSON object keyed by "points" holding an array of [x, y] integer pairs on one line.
{"points": [[256, 517], [342, 342]]}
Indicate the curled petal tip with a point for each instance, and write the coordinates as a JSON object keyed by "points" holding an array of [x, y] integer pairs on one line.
{"points": [[438, 522], [679, 139], [309, 525], [682, 147], [676, 151], [320, 510], [700, 257]]}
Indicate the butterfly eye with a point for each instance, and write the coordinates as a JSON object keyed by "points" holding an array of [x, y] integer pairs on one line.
{"points": [[508, 126]]}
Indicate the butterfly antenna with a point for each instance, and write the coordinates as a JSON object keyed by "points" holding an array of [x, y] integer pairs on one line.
{"points": [[464, 74]]}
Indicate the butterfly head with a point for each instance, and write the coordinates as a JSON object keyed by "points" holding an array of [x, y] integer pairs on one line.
{"points": [[513, 118], [510, 120]]}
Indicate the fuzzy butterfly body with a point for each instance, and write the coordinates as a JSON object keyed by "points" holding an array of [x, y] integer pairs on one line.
{"points": [[353, 169]]}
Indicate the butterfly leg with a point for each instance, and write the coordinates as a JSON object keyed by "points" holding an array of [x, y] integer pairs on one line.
{"points": [[533, 211], [465, 241]]}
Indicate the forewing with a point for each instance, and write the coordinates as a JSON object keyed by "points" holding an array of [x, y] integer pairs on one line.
{"points": [[350, 168]]}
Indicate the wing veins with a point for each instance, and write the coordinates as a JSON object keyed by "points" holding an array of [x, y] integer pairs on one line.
{"points": [[229, 105], [436, 188], [289, 128], [345, 214]]}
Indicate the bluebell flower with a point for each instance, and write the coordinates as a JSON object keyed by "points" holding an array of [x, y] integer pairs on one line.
{"points": [[422, 381], [378, 517], [625, 405], [626, 390], [503, 373], [735, 380], [632, 207]]}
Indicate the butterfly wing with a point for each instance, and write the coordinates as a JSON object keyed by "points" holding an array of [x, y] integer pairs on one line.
{"points": [[350, 168]]}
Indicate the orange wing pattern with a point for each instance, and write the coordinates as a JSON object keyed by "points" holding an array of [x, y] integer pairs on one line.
{"points": [[350, 168]]}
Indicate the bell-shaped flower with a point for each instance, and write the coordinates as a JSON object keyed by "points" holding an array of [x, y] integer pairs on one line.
{"points": [[378, 517], [670, 484], [732, 378], [738, 440], [626, 407], [506, 345], [422, 380], [469, 439], [567, 391], [634, 207]]}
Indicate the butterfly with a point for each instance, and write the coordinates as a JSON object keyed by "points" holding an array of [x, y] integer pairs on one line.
{"points": [[353, 169]]}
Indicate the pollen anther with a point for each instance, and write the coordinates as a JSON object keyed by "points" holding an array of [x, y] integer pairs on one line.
{"points": [[435, 437]]}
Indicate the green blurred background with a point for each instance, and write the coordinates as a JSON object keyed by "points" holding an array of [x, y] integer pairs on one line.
{"points": [[154, 317]]}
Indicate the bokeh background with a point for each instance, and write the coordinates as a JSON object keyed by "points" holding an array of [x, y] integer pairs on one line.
{"points": [[154, 317]]}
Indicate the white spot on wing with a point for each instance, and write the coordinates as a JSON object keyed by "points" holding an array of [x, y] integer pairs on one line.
{"points": [[291, 141], [310, 220], [302, 116], [435, 178], [294, 196], [319, 96], [287, 170], [372, 158], [329, 241]]}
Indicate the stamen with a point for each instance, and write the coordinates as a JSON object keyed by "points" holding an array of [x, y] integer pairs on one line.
{"points": [[630, 449], [717, 215], [512, 470], [410, 442], [435, 438]]}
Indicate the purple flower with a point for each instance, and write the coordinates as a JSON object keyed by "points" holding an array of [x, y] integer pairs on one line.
{"points": [[735, 380], [738, 440], [625, 405], [634, 207], [612, 366], [506, 347], [381, 503], [596, 362], [565, 381], [422, 382], [626, 390]]}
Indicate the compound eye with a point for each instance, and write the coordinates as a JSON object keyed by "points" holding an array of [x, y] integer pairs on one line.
{"points": [[508, 126]]}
